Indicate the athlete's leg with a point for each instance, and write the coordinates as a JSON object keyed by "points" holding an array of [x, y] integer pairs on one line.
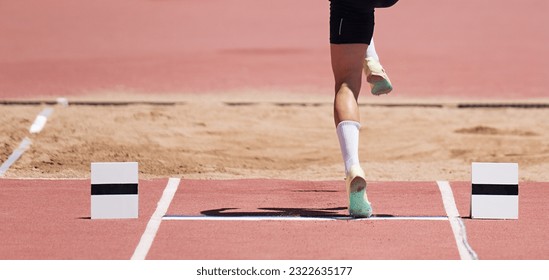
{"points": [[351, 29], [347, 67]]}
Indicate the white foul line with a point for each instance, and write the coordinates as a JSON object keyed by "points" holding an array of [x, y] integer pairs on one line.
{"points": [[458, 228], [297, 218], [23, 146], [148, 236]]}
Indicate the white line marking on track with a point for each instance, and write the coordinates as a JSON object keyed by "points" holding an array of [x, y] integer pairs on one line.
{"points": [[23, 146], [296, 218], [458, 228], [148, 236]]}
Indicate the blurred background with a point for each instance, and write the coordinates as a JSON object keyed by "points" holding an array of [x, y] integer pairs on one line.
{"points": [[431, 48]]}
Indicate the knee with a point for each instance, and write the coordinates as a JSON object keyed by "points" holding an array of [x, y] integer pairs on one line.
{"points": [[351, 82]]}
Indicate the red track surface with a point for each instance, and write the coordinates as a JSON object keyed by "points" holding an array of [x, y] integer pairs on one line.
{"points": [[49, 219], [308, 239], [458, 49]]}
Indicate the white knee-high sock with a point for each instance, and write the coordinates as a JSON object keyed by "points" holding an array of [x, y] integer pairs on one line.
{"points": [[348, 133], [371, 51]]}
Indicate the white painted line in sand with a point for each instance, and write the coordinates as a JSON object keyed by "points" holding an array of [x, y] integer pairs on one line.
{"points": [[458, 228], [148, 236], [23, 146], [40, 120]]}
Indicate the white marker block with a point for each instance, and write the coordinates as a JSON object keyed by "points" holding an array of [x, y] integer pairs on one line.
{"points": [[114, 190], [494, 190]]}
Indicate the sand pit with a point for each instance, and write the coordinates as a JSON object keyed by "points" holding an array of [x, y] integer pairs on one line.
{"points": [[213, 138]]}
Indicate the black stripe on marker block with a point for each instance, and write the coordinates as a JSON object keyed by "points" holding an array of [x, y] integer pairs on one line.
{"points": [[106, 189], [486, 189]]}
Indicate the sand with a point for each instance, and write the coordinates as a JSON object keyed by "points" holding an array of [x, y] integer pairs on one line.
{"points": [[220, 137]]}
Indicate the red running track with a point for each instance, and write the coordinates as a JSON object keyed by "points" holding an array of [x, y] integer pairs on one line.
{"points": [[49, 219], [490, 49]]}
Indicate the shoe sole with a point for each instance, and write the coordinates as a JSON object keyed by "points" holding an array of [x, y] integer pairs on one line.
{"points": [[356, 198], [380, 87]]}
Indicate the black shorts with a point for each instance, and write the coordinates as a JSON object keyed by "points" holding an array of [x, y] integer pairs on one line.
{"points": [[351, 21]]}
